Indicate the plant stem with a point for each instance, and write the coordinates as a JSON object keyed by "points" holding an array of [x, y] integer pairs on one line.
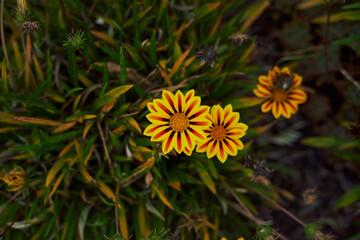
{"points": [[105, 148]]}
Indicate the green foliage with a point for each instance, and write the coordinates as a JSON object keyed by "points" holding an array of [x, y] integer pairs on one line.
{"points": [[74, 98]]}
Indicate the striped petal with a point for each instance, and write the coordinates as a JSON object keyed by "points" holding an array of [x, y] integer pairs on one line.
{"points": [[265, 107], [241, 126], [192, 106], [260, 94], [179, 102], [218, 115], [292, 106], [202, 146], [169, 98], [197, 133], [276, 110], [238, 143], [297, 95], [264, 89], [297, 80], [221, 154], [235, 133], [201, 112], [149, 130], [286, 70], [286, 112], [151, 107], [228, 110], [187, 151], [169, 143], [230, 147], [180, 141], [189, 141], [156, 119], [231, 120], [162, 107], [190, 94], [264, 80], [276, 69], [211, 149], [161, 133]]}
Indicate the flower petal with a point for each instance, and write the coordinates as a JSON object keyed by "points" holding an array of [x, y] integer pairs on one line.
{"points": [[156, 119], [239, 144], [292, 106], [187, 151], [211, 148], [231, 120], [169, 143], [264, 80], [297, 80], [264, 89], [202, 146], [228, 110], [149, 130], [192, 106], [297, 95], [189, 141], [201, 112], [230, 147], [162, 107], [285, 70], [218, 115], [267, 106], [190, 94], [180, 141], [179, 102], [286, 112], [221, 154], [276, 110], [235, 133], [161, 133], [197, 133], [169, 98]]}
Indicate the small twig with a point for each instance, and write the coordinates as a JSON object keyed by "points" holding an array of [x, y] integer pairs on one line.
{"points": [[278, 206], [252, 217], [27, 58], [105, 147], [350, 78]]}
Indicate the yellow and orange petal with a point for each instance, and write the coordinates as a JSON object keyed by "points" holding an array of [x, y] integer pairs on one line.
{"points": [[282, 98], [223, 136], [178, 121]]}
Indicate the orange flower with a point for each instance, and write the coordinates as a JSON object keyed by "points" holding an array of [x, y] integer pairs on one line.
{"points": [[178, 121], [281, 90], [223, 136]]}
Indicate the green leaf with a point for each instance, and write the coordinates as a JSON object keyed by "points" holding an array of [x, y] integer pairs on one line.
{"points": [[348, 40], [246, 102], [348, 198], [74, 90], [26, 99], [153, 56], [205, 176], [122, 68], [322, 142], [72, 65], [111, 95], [49, 69]]}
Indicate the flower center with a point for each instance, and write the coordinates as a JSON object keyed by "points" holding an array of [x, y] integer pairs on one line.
{"points": [[179, 122], [279, 96], [218, 133]]}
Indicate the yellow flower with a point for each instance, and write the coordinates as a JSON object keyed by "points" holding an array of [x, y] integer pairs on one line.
{"points": [[222, 137], [224, 238], [178, 121], [15, 179], [281, 89]]}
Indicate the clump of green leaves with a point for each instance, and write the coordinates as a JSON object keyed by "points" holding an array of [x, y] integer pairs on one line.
{"points": [[75, 39]]}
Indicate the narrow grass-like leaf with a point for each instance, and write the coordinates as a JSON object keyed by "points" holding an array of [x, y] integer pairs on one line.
{"points": [[73, 69], [27, 99], [122, 68], [153, 56], [353, 195], [111, 95], [4, 79], [205, 176]]}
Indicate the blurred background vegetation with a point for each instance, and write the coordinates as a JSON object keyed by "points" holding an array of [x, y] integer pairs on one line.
{"points": [[75, 80]]}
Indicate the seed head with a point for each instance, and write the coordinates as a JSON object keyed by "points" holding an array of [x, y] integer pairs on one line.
{"points": [[29, 27], [208, 55]]}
